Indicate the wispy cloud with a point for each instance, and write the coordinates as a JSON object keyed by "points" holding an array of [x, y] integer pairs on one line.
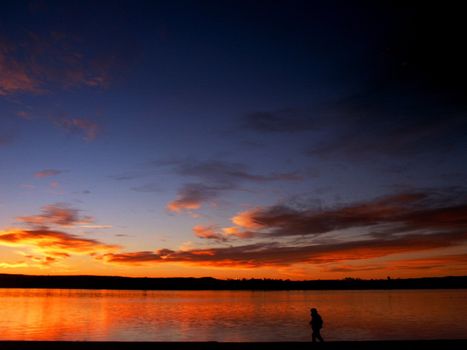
{"points": [[445, 263], [135, 258], [424, 210], [56, 214], [48, 173], [88, 128], [24, 115], [192, 196], [15, 265], [15, 75], [224, 173], [38, 62], [215, 177]]}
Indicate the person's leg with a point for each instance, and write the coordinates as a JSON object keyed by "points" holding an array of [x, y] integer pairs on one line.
{"points": [[318, 336], [313, 337]]}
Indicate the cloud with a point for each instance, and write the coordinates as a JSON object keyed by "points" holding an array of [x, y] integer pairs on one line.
{"points": [[208, 232], [447, 263], [15, 76], [393, 224], [48, 173], [236, 232], [135, 258], [225, 234], [224, 173], [96, 227], [56, 214], [37, 62], [54, 244], [192, 196], [87, 128], [215, 177], [403, 223], [276, 254], [45, 261], [399, 223], [364, 137], [425, 211], [5, 265]]}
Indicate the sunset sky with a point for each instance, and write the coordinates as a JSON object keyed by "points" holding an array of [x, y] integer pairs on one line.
{"points": [[233, 139]]}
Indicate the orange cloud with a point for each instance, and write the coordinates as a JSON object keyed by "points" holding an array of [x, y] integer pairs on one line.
{"points": [[236, 232], [53, 244], [247, 219], [44, 260], [208, 232], [179, 205]]}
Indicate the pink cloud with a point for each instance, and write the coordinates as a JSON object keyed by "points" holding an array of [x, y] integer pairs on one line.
{"points": [[48, 173]]}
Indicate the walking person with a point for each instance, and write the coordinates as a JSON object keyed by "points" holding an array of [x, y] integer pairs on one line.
{"points": [[316, 325]]}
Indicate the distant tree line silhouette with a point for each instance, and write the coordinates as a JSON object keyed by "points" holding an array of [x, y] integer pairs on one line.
{"points": [[209, 283]]}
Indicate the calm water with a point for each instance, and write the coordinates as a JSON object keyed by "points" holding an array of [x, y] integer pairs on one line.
{"points": [[229, 315]]}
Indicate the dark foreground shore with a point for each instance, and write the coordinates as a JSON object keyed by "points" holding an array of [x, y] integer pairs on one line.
{"points": [[337, 345]]}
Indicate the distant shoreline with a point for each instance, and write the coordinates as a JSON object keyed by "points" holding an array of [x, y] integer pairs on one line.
{"points": [[209, 283], [337, 345]]}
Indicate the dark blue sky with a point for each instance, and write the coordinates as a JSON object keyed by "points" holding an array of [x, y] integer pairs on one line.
{"points": [[322, 138]]}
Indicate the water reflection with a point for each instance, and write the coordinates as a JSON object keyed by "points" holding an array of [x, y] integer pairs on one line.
{"points": [[229, 315]]}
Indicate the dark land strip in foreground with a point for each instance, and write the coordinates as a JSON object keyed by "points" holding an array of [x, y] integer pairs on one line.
{"points": [[337, 345]]}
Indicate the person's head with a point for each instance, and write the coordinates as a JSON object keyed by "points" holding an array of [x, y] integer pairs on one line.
{"points": [[313, 311]]}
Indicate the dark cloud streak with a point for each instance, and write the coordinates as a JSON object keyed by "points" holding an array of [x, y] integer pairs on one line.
{"points": [[275, 254], [425, 210], [215, 177]]}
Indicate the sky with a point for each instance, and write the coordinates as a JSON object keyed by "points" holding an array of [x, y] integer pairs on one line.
{"points": [[233, 139]]}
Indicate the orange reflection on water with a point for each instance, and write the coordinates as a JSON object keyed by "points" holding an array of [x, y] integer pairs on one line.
{"points": [[229, 315]]}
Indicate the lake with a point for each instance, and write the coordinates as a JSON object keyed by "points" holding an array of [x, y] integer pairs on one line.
{"points": [[59, 314]]}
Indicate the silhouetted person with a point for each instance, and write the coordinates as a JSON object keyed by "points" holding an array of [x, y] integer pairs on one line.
{"points": [[316, 325]]}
